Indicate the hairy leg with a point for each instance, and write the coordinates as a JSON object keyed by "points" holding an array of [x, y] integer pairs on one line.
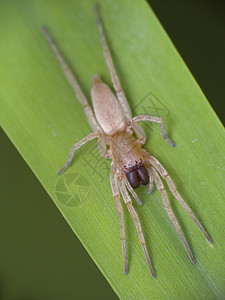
{"points": [[131, 190], [74, 83], [115, 79], [137, 223], [119, 209], [76, 146], [102, 149], [156, 120], [157, 165], [151, 180], [140, 133], [169, 211]]}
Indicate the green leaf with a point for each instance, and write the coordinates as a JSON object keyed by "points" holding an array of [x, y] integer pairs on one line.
{"points": [[43, 118]]}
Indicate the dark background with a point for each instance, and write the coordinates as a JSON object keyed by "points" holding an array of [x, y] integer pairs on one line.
{"points": [[197, 29], [33, 233]]}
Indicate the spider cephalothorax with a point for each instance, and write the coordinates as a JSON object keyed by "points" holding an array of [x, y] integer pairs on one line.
{"points": [[131, 166], [127, 154]]}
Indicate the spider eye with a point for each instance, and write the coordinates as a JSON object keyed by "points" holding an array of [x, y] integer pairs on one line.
{"points": [[132, 177], [142, 175]]}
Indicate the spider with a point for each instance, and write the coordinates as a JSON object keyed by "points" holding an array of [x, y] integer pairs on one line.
{"points": [[131, 166]]}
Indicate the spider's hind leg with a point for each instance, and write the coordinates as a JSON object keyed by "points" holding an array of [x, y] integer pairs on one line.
{"points": [[115, 79], [73, 82]]}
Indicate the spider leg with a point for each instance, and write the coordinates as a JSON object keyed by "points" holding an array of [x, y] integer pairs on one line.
{"points": [[159, 168], [119, 209], [74, 83], [151, 180], [102, 149], [169, 211], [131, 190], [115, 79], [137, 223], [140, 133], [76, 146], [157, 120]]}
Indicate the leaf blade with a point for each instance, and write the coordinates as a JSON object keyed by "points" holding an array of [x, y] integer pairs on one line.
{"points": [[44, 138]]}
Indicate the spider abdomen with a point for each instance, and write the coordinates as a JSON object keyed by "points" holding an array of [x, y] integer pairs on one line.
{"points": [[107, 108]]}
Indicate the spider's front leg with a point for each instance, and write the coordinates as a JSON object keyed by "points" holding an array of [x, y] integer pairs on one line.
{"points": [[169, 211], [161, 170], [151, 182], [118, 182], [119, 208]]}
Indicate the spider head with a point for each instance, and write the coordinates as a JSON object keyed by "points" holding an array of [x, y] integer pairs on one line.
{"points": [[127, 154], [137, 175]]}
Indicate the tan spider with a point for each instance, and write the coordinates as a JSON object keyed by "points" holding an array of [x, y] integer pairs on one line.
{"points": [[131, 166]]}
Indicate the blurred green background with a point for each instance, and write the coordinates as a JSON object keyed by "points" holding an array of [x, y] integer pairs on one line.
{"points": [[32, 245]]}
